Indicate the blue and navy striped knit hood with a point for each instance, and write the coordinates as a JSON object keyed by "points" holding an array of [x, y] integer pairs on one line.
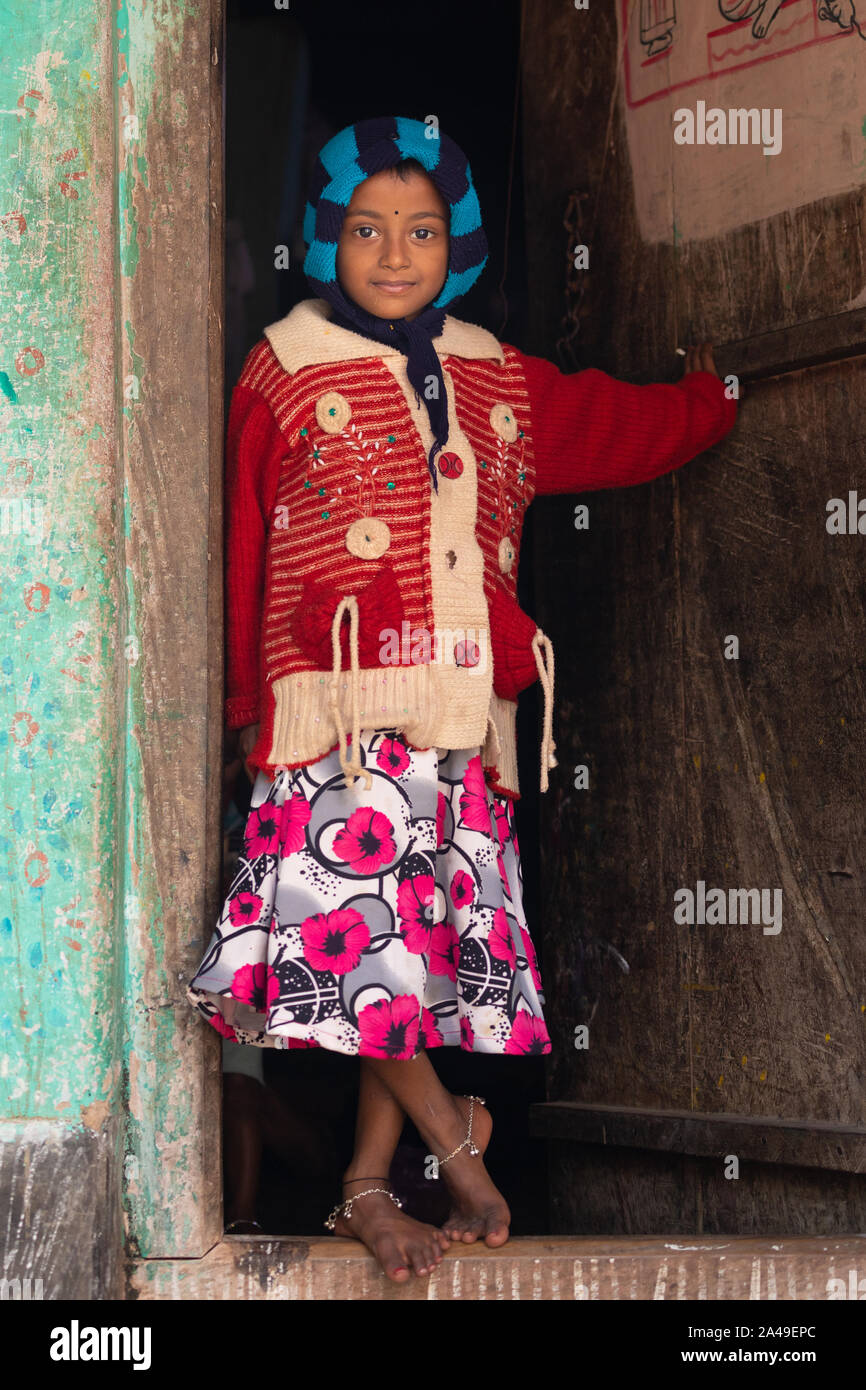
{"points": [[350, 157]]}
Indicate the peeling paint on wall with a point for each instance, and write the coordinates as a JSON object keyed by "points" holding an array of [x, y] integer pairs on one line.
{"points": [[78, 86], [58, 604], [101, 265]]}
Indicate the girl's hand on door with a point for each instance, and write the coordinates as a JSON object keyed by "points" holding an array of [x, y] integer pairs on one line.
{"points": [[700, 359]]}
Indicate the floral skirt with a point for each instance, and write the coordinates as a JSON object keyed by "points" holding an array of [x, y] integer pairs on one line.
{"points": [[376, 923]]}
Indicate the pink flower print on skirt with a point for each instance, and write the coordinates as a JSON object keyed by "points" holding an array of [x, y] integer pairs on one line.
{"points": [[376, 923]]}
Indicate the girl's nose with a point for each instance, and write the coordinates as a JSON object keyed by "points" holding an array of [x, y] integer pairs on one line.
{"points": [[393, 255]]}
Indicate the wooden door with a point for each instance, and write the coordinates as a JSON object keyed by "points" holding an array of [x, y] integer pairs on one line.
{"points": [[710, 667]]}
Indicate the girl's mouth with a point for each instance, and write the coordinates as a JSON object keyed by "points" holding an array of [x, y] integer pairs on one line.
{"points": [[393, 286]]}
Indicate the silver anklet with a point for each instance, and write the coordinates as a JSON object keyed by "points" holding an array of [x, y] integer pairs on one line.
{"points": [[468, 1140], [347, 1205]]}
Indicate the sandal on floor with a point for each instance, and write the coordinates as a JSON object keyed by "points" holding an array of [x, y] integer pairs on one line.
{"points": [[242, 1227]]}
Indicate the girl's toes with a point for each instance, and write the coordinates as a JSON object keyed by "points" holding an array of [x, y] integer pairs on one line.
{"points": [[418, 1256], [496, 1233], [393, 1260], [464, 1229]]}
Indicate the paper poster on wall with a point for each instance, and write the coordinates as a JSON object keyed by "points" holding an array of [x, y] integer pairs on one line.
{"points": [[737, 110]]}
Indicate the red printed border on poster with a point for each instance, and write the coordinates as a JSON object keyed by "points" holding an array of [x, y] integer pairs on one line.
{"points": [[795, 26]]}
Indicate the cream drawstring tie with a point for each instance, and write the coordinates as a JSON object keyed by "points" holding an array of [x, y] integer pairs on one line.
{"points": [[546, 676], [351, 766]]}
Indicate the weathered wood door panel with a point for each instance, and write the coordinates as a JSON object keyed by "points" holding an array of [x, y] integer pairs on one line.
{"points": [[739, 773]]}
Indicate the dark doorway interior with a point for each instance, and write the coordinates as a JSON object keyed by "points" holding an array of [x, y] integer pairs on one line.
{"points": [[294, 77]]}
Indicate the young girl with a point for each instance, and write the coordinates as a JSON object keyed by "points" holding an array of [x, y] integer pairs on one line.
{"points": [[380, 457]]}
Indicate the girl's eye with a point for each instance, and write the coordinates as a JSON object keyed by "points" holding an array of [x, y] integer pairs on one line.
{"points": [[427, 232]]}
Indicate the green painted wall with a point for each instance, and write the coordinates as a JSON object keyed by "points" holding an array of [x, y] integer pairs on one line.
{"points": [[61, 572], [85, 85]]}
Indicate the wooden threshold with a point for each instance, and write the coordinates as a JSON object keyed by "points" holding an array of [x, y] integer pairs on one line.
{"points": [[546, 1268]]}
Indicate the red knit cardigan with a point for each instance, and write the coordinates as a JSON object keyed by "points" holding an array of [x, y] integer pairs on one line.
{"points": [[297, 482]]}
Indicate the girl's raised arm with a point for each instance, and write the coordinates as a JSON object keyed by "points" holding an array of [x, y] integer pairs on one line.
{"points": [[591, 430]]}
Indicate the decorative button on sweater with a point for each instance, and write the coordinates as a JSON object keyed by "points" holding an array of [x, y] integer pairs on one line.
{"points": [[503, 421], [368, 538], [451, 465], [327, 620], [333, 412]]}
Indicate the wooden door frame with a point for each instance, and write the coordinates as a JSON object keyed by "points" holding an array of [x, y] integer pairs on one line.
{"points": [[169, 324]]}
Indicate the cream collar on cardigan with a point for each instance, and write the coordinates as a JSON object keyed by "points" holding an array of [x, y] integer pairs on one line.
{"points": [[306, 337]]}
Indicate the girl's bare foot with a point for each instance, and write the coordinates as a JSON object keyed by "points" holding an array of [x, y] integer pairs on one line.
{"points": [[479, 1208], [399, 1242], [442, 1121]]}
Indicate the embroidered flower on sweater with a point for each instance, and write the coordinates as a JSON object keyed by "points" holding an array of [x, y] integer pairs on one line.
{"points": [[365, 453], [508, 473]]}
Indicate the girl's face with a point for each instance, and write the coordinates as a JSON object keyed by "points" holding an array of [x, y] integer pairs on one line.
{"points": [[392, 256]]}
